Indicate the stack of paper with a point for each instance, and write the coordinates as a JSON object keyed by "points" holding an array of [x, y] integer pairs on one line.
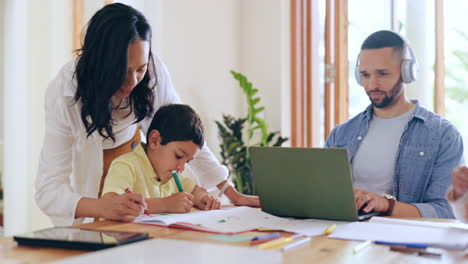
{"points": [[447, 235]]}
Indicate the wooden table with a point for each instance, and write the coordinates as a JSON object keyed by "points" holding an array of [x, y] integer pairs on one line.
{"points": [[321, 249]]}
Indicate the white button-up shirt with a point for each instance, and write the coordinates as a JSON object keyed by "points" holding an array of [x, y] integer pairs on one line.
{"points": [[71, 164]]}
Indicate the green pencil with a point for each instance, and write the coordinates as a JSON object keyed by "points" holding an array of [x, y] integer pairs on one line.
{"points": [[177, 181]]}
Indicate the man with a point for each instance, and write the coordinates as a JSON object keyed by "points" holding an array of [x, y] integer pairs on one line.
{"points": [[401, 154], [458, 194]]}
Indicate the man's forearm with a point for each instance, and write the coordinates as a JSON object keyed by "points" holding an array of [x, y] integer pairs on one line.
{"points": [[405, 210]]}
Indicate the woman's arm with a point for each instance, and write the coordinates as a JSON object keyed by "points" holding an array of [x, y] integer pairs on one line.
{"points": [[54, 194]]}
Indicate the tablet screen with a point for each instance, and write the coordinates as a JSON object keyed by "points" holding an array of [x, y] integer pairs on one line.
{"points": [[67, 237]]}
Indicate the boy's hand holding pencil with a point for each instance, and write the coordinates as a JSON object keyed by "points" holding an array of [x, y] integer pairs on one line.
{"points": [[180, 202]]}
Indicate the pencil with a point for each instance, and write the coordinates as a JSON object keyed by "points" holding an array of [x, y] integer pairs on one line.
{"points": [[361, 246], [278, 242], [295, 244], [330, 229]]}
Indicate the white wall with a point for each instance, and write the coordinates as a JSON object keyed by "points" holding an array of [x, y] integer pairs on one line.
{"points": [[421, 35], [2, 104], [200, 45], [264, 51], [2, 23], [37, 43], [200, 41], [15, 39]]}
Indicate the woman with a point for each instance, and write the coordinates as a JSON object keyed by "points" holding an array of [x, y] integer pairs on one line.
{"points": [[95, 108]]}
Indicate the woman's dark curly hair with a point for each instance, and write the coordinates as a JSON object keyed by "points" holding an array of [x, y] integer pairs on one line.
{"points": [[102, 67]]}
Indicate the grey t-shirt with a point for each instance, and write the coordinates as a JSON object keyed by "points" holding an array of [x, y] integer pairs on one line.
{"points": [[374, 163]]}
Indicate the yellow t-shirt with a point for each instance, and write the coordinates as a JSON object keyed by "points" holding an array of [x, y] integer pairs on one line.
{"points": [[134, 170]]}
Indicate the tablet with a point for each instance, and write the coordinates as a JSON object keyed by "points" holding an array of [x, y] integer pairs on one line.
{"points": [[75, 238]]}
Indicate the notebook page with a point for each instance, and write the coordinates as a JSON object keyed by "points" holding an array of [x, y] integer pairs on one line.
{"points": [[234, 220], [164, 219]]}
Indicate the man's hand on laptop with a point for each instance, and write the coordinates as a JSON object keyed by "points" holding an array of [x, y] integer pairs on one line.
{"points": [[368, 201]]}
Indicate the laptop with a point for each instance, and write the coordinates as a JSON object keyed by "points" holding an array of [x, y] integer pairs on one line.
{"points": [[305, 183]]}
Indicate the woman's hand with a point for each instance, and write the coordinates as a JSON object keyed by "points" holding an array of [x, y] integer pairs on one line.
{"points": [[370, 201], [124, 207], [245, 200]]}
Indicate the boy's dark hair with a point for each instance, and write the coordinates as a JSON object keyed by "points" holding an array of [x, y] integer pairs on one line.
{"points": [[177, 122], [102, 67], [384, 39]]}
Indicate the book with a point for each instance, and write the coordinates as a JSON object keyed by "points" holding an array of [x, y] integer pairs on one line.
{"points": [[224, 221], [237, 220]]}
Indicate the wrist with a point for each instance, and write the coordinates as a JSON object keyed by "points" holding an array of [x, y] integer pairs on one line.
{"points": [[223, 188], [89, 207], [157, 205], [232, 194], [391, 202], [98, 209]]}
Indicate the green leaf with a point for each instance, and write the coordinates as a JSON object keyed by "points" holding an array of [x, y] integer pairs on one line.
{"points": [[234, 150], [258, 110], [255, 101]]}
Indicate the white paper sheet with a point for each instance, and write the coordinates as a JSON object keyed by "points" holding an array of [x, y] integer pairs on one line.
{"points": [[400, 233], [385, 220]]}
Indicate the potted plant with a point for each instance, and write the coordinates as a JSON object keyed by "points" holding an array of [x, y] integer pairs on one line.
{"points": [[235, 146]]}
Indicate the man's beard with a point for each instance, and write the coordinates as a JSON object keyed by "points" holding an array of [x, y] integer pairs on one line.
{"points": [[388, 99]]}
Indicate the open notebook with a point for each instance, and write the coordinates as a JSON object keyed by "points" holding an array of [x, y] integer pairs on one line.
{"points": [[236, 220], [229, 221]]}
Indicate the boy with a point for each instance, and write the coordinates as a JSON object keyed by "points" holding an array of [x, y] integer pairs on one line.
{"points": [[174, 138]]}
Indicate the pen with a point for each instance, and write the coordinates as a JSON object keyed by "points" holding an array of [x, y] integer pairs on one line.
{"points": [[361, 246], [127, 190], [449, 246], [420, 251], [410, 245], [261, 241], [295, 244], [177, 181], [278, 242], [271, 235], [330, 229]]}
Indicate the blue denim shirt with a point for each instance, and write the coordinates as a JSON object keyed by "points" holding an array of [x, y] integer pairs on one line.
{"points": [[430, 148]]}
